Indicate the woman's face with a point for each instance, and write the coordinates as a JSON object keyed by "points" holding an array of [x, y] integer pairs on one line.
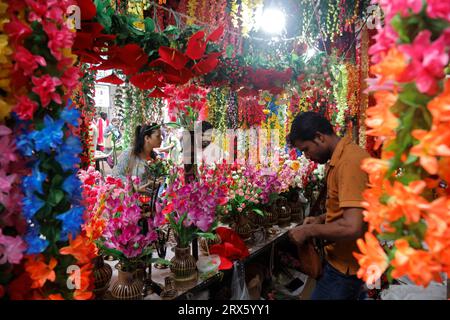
{"points": [[153, 141]]}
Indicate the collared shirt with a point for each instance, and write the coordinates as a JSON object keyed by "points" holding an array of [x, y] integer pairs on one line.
{"points": [[346, 182]]}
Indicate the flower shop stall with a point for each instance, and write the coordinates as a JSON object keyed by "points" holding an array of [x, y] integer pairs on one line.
{"points": [[378, 71]]}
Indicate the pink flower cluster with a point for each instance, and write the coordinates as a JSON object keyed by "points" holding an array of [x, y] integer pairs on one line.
{"points": [[28, 62], [11, 248]]}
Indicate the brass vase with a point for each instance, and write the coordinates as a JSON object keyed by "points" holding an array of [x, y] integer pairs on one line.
{"points": [[102, 277], [284, 213], [272, 216], [183, 265], [128, 286], [242, 227], [297, 211]]}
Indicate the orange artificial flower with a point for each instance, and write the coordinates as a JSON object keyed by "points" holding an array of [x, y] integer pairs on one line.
{"points": [[86, 282], [295, 165], [375, 213], [381, 121], [373, 260], [376, 168], [440, 105], [56, 296], [391, 66], [405, 201], [39, 271], [81, 248], [419, 265], [431, 144], [437, 217], [444, 169]]}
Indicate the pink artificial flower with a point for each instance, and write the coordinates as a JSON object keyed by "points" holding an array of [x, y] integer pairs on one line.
{"points": [[6, 181], [428, 61], [11, 249], [70, 78], [45, 88], [25, 108], [40, 8], [58, 39], [392, 7], [7, 147], [438, 9], [385, 39], [26, 61]]}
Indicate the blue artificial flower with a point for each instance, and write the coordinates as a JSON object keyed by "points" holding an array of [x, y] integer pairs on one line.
{"points": [[72, 186], [31, 205], [36, 242], [34, 182], [72, 221], [273, 107], [67, 155], [25, 144], [70, 116], [51, 136]]}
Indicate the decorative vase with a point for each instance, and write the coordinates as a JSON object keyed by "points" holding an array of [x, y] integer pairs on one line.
{"points": [[297, 211], [242, 227], [272, 216], [207, 243], [128, 286], [102, 277], [183, 265], [284, 213]]}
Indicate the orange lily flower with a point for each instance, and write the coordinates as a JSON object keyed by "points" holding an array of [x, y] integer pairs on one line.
{"points": [[373, 260], [440, 105], [376, 168], [81, 248], [438, 222], [418, 265], [380, 118], [39, 271], [431, 144], [444, 168], [86, 282], [376, 213], [391, 67], [57, 296]]}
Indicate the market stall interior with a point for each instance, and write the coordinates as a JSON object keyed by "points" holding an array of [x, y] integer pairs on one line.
{"points": [[224, 149]]}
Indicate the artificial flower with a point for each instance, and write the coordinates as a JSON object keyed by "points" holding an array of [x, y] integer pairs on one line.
{"points": [[404, 8], [392, 65], [25, 108], [428, 60], [438, 9], [26, 61], [33, 183], [39, 271], [86, 283], [71, 222], [36, 242], [80, 248], [440, 105], [31, 204], [67, 154], [70, 114], [58, 38], [45, 87], [418, 265], [373, 260], [11, 249]]}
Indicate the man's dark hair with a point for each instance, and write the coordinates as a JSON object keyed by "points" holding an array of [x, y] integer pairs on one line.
{"points": [[306, 125], [206, 126], [103, 115]]}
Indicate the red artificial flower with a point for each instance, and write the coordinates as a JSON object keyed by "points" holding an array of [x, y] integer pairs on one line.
{"points": [[70, 78], [112, 78], [173, 57], [180, 77], [216, 34], [87, 9], [17, 30], [207, 65], [157, 93], [196, 45], [147, 80], [25, 108], [45, 88], [26, 61]]}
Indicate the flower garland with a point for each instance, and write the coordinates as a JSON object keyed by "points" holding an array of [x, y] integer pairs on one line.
{"points": [[43, 79], [340, 89], [406, 203], [191, 9]]}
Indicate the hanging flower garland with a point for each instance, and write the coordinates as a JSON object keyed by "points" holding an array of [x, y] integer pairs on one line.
{"points": [[43, 79], [406, 203], [340, 88]]}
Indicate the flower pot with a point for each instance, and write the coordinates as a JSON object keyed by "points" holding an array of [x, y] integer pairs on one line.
{"points": [[243, 228], [183, 265], [102, 277], [127, 287]]}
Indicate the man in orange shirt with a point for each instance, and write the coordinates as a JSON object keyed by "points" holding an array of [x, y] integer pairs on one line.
{"points": [[343, 222]]}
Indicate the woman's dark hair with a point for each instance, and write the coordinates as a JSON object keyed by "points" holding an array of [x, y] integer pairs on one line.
{"points": [[140, 133], [306, 125]]}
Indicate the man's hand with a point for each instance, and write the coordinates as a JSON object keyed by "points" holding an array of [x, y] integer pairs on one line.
{"points": [[299, 234], [313, 220]]}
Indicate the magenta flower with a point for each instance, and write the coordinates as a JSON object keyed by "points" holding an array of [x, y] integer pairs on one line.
{"points": [[58, 39], [438, 9], [25, 108], [385, 39], [428, 60], [26, 61], [11, 249], [70, 78], [404, 7], [45, 88]]}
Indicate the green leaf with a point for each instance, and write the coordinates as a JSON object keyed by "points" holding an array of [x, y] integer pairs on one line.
{"points": [[55, 197], [411, 159], [206, 235], [149, 25], [229, 51], [161, 261], [412, 97], [259, 212], [399, 26]]}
